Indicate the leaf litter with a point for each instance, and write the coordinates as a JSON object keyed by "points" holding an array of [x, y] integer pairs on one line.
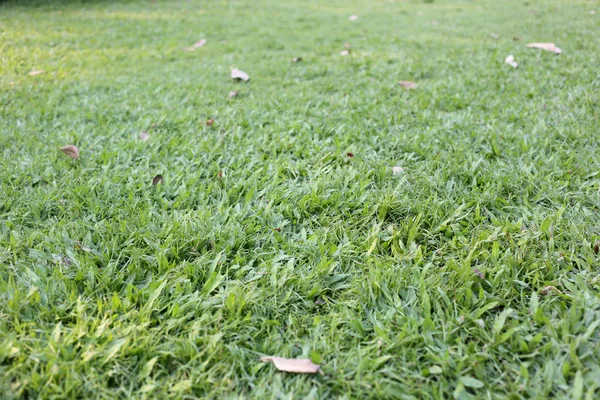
{"points": [[70, 150], [158, 179], [408, 84], [239, 75], [510, 60], [197, 45], [551, 47], [294, 365]]}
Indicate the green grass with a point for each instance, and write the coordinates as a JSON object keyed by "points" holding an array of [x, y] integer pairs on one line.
{"points": [[266, 238]]}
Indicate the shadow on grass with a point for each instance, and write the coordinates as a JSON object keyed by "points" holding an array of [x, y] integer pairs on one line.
{"points": [[58, 4]]}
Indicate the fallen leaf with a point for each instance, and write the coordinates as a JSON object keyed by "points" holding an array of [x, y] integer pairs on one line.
{"points": [[408, 84], [210, 122], [479, 273], [70, 150], [144, 136], [278, 229], [233, 94], [158, 179], [397, 170], [516, 38], [297, 365], [551, 47], [435, 369], [83, 248], [353, 18], [350, 154], [510, 60], [239, 75], [36, 72], [495, 36], [296, 59], [344, 52], [196, 45], [547, 289]]}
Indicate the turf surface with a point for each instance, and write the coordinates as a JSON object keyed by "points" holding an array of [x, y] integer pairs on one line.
{"points": [[281, 229]]}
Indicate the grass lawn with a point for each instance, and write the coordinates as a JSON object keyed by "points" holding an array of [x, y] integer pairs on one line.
{"points": [[282, 229]]}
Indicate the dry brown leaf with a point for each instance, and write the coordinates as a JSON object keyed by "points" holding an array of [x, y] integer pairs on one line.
{"points": [[36, 72], [144, 136], [210, 122], [82, 247], [296, 59], [344, 52], [70, 150], [495, 36], [547, 289], [233, 94], [297, 365], [510, 60], [196, 45], [408, 84], [239, 75], [397, 170], [551, 47], [158, 179], [353, 18]]}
